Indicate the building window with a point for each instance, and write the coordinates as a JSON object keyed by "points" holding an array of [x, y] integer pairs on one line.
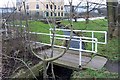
{"points": [[55, 6], [55, 14], [50, 6], [51, 14], [37, 6], [27, 13], [47, 13], [58, 13], [58, 7], [27, 6], [61, 7], [61, 13], [37, 13], [46, 6]]}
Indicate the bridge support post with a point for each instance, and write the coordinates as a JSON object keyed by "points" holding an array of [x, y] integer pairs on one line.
{"points": [[80, 53]]}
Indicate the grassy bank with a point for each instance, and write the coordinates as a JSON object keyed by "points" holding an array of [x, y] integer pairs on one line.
{"points": [[110, 50], [88, 73], [37, 26], [98, 25]]}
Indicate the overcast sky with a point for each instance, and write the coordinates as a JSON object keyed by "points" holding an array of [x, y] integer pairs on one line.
{"points": [[10, 2], [4, 3]]}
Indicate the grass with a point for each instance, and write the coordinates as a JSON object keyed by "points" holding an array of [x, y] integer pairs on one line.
{"points": [[103, 73], [40, 27], [100, 24], [37, 26], [110, 50]]}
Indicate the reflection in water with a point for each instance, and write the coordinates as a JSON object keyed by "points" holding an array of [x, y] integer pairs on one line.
{"points": [[74, 44]]}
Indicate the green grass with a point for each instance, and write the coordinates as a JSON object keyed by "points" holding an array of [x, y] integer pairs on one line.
{"points": [[103, 73], [40, 27], [37, 26], [100, 24], [110, 50]]}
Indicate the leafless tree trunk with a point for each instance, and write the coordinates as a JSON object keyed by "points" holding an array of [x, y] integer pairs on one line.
{"points": [[112, 8], [119, 20], [87, 13]]}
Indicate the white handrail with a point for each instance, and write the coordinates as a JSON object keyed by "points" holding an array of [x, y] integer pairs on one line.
{"points": [[88, 31], [66, 37], [60, 35], [77, 30], [91, 39]]}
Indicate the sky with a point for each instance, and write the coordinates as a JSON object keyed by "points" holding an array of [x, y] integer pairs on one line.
{"points": [[78, 1], [10, 3], [4, 3]]}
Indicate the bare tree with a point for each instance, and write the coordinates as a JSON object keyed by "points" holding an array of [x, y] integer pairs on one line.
{"points": [[112, 8]]}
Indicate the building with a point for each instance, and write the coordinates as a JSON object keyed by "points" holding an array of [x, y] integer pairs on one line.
{"points": [[43, 8], [81, 11]]}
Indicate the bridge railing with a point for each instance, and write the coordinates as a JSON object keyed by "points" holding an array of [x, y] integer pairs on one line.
{"points": [[74, 38], [93, 40], [88, 31]]}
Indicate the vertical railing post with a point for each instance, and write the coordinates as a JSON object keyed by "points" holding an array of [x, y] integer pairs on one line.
{"points": [[92, 41], [96, 44], [105, 37], [50, 36], [80, 52]]}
